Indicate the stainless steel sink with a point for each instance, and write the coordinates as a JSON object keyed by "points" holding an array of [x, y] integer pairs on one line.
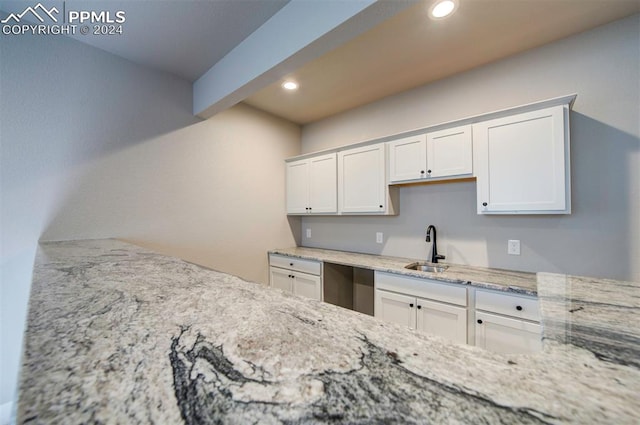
{"points": [[427, 267]]}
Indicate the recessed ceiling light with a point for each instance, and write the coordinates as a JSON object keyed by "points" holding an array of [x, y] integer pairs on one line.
{"points": [[289, 85], [443, 8]]}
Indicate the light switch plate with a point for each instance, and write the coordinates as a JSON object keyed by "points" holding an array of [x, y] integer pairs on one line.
{"points": [[379, 237], [308, 233], [513, 247]]}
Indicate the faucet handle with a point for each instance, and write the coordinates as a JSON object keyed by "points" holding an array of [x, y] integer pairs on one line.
{"points": [[440, 257]]}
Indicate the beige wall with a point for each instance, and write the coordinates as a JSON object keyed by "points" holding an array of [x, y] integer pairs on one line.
{"points": [[600, 238], [94, 146], [211, 193]]}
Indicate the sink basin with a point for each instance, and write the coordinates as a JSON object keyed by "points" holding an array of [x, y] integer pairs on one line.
{"points": [[427, 267]]}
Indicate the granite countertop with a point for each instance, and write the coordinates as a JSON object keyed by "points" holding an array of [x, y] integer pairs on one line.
{"points": [[497, 279], [119, 334]]}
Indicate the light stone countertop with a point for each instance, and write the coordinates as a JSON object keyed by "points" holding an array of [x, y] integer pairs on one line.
{"points": [[497, 279], [119, 334]]}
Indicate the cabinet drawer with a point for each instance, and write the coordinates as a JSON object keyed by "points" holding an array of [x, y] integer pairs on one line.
{"points": [[424, 288], [293, 263], [508, 304]]}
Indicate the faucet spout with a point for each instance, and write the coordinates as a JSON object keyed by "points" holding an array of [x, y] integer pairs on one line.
{"points": [[434, 247]]}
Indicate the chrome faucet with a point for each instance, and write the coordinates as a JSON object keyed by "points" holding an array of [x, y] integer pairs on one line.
{"points": [[434, 247]]}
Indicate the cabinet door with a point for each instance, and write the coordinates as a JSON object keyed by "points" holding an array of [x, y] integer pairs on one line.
{"points": [[522, 163], [297, 177], [445, 320], [323, 185], [507, 335], [395, 308], [449, 152], [408, 158], [281, 279], [362, 180], [307, 285]]}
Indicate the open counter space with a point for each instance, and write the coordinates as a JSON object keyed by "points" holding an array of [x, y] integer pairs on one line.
{"points": [[119, 334]]}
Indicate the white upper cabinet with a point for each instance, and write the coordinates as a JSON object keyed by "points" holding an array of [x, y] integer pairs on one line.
{"points": [[522, 163], [323, 184], [362, 182], [439, 154], [519, 157], [297, 187], [408, 158], [450, 152], [312, 185]]}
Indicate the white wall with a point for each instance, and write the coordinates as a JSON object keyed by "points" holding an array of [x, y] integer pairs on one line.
{"points": [[602, 236], [93, 146]]}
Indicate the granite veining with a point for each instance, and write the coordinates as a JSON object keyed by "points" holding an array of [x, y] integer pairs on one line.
{"points": [[119, 334], [496, 279]]}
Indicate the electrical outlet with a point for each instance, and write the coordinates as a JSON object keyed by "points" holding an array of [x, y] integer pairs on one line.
{"points": [[308, 233], [379, 237], [513, 247]]}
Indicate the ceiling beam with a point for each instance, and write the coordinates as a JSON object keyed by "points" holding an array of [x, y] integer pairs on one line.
{"points": [[300, 32]]}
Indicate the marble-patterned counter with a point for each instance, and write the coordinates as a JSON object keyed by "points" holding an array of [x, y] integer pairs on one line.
{"points": [[501, 280], [118, 334]]}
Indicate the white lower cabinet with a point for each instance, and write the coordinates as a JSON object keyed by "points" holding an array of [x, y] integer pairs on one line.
{"points": [[417, 304], [297, 283], [495, 320], [307, 285], [395, 308], [281, 279], [507, 335], [507, 323], [300, 277], [447, 321]]}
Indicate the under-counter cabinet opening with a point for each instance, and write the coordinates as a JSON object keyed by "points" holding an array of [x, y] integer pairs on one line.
{"points": [[345, 286], [349, 287]]}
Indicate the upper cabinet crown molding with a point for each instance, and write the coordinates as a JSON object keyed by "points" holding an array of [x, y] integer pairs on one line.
{"points": [[561, 100]]}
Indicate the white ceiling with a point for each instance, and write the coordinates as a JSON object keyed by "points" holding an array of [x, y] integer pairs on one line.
{"points": [[183, 37], [188, 37], [409, 50]]}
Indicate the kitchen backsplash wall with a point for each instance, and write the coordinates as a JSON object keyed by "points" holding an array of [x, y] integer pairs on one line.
{"points": [[600, 238]]}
